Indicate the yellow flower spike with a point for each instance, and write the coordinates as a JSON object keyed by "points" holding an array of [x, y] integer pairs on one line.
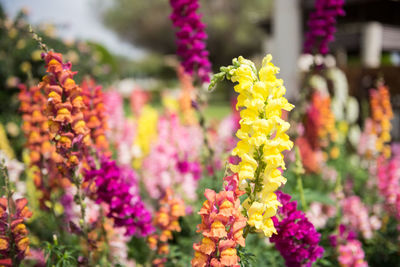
{"points": [[262, 137]]}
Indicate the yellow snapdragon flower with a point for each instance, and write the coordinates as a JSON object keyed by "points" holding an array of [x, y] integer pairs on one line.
{"points": [[262, 137], [146, 134]]}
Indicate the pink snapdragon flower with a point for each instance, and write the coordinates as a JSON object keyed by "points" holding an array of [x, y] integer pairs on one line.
{"points": [[174, 159], [356, 217]]}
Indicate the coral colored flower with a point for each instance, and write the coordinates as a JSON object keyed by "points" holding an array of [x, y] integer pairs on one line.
{"points": [[309, 157], [191, 38], [296, 238], [95, 115], [221, 225], [320, 122], [321, 23], [42, 154], [186, 97], [381, 114], [65, 110], [262, 137], [14, 241], [166, 221], [117, 187]]}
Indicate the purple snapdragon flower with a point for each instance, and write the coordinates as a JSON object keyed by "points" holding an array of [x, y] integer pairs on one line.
{"points": [[117, 187], [297, 240], [191, 37], [322, 25]]}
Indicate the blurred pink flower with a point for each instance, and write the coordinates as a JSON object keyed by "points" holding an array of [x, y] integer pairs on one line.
{"points": [[356, 217], [174, 159], [319, 214]]}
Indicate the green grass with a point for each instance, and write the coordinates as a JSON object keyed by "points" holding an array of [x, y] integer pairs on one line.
{"points": [[217, 111]]}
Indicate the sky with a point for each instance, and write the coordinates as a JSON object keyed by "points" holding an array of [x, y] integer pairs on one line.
{"points": [[75, 19]]}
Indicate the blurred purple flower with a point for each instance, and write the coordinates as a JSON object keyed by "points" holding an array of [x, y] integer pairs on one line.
{"points": [[191, 38], [322, 25]]}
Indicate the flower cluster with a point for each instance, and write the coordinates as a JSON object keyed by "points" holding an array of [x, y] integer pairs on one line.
{"points": [[262, 137], [166, 220], [116, 187], [221, 225], [351, 254], [191, 38], [120, 130], [42, 154], [95, 115], [296, 238], [319, 214], [64, 110], [173, 159], [381, 111], [320, 122], [14, 241], [321, 23], [388, 174], [309, 157], [349, 249], [356, 217]]}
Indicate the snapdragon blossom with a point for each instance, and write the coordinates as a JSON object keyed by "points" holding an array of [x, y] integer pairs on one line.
{"points": [[95, 115], [262, 137], [296, 238], [43, 156], [14, 240], [356, 216], [191, 38], [322, 25], [67, 127], [381, 114], [388, 172], [167, 221], [117, 187], [349, 249], [174, 159], [221, 225]]}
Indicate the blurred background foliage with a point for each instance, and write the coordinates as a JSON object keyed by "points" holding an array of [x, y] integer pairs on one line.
{"points": [[233, 26]]}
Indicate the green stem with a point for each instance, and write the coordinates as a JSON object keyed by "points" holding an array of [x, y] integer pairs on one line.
{"points": [[206, 142], [104, 232], [301, 192], [299, 171], [79, 200], [246, 231], [338, 192]]}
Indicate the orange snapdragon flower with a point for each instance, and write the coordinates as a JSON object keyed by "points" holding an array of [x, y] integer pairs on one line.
{"points": [[320, 123], [381, 113], [186, 97], [95, 115], [166, 221], [42, 154], [222, 227], [64, 110], [14, 241]]}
